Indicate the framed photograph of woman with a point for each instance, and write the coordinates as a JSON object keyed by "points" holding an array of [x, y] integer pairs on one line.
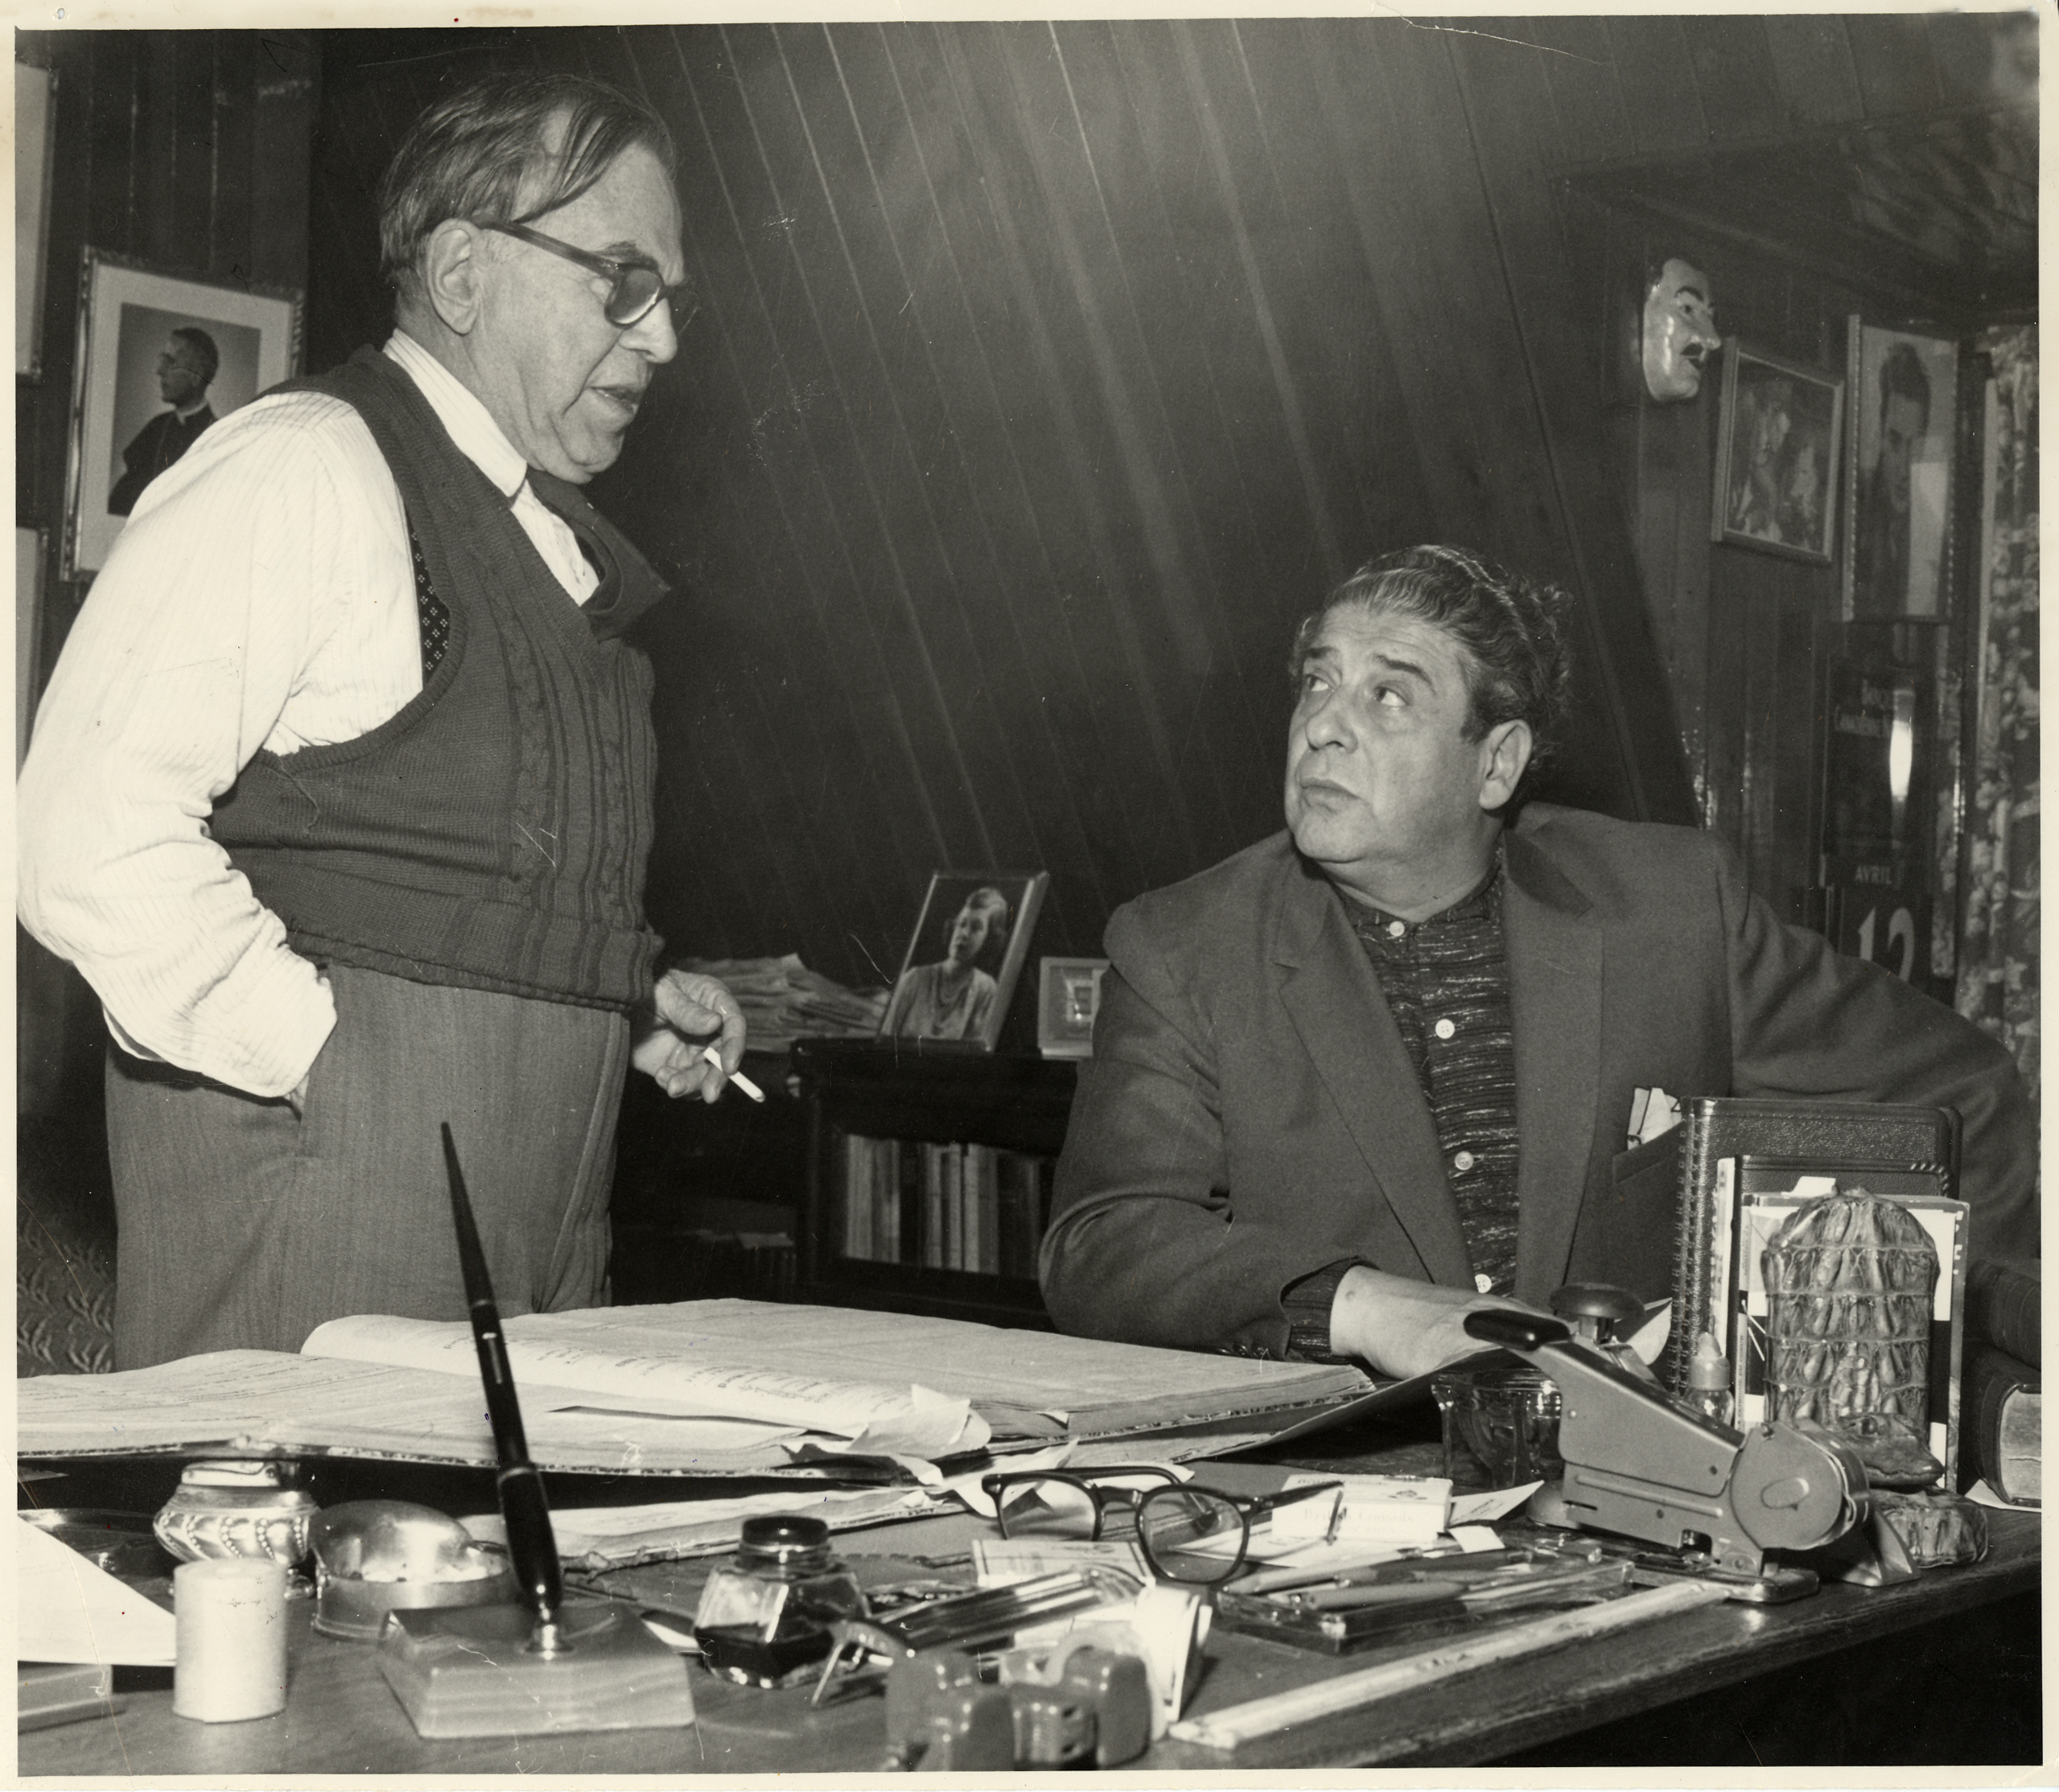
{"points": [[1777, 455], [964, 957], [161, 358], [1904, 392]]}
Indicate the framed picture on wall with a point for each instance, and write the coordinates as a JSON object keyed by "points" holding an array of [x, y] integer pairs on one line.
{"points": [[1067, 998], [1777, 455], [161, 358], [35, 119], [1904, 397], [964, 957], [29, 546]]}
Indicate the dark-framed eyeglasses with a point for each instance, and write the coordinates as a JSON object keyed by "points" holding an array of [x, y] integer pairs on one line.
{"points": [[1199, 1535], [636, 287]]}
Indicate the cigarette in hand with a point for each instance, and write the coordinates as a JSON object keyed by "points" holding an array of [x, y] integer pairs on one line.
{"points": [[736, 1077]]}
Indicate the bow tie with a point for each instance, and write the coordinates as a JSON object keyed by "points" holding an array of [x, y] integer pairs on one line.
{"points": [[629, 585]]}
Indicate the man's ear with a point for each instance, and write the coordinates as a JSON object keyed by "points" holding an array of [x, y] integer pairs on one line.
{"points": [[1503, 752], [452, 271]]}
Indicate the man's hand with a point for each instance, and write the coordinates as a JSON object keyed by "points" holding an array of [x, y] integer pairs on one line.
{"points": [[693, 1011], [1402, 1327]]}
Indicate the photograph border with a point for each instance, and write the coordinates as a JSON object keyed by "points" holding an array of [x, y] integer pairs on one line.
{"points": [[106, 282], [35, 157]]}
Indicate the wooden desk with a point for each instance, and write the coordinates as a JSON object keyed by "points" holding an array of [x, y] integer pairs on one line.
{"points": [[1606, 1702]]}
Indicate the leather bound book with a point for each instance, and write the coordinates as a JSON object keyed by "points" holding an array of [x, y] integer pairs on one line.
{"points": [[2002, 1297], [2003, 1424]]}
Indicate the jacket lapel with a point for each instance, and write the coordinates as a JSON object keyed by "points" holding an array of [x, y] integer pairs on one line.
{"points": [[1334, 998], [1555, 990]]}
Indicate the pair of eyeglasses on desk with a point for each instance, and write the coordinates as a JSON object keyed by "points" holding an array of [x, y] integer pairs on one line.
{"points": [[1199, 1535]]}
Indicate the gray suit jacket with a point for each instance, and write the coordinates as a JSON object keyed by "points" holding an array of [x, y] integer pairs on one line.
{"points": [[1250, 1115]]}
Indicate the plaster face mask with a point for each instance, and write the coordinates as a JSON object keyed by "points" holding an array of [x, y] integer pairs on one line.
{"points": [[1680, 332]]}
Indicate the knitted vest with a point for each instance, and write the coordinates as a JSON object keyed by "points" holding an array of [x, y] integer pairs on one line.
{"points": [[493, 833]]}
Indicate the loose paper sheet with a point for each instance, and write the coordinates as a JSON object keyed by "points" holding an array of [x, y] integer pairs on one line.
{"points": [[69, 1610]]}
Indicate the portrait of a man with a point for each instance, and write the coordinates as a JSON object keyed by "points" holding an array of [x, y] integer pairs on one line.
{"points": [[1904, 400]]}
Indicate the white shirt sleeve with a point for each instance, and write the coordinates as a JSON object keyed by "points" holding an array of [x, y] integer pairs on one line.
{"points": [[260, 596]]}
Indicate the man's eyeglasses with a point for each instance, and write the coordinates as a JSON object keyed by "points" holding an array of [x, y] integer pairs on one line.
{"points": [[635, 288], [1195, 1534]]}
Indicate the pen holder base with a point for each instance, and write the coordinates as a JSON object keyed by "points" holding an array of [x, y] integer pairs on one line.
{"points": [[469, 1671]]}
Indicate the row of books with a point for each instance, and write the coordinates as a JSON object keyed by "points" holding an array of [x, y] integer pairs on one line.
{"points": [[944, 1206]]}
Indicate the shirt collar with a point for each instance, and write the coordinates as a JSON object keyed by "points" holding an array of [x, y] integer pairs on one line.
{"points": [[1482, 903], [471, 425]]}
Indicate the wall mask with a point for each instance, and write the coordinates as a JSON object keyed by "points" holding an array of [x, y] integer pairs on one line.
{"points": [[1680, 332]]}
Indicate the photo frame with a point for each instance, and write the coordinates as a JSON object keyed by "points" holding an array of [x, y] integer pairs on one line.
{"points": [[127, 315], [956, 980], [35, 128], [1778, 455], [29, 549], [1904, 387], [1068, 999]]}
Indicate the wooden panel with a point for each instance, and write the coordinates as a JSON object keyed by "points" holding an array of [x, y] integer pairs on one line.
{"points": [[1657, 80], [1818, 81], [1734, 75], [1891, 53]]}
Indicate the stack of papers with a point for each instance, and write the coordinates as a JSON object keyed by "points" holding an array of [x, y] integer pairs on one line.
{"points": [[783, 1000]]}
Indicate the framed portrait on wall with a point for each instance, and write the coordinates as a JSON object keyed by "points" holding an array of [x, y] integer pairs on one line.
{"points": [[35, 119], [1904, 396], [161, 358], [1778, 455], [964, 957]]}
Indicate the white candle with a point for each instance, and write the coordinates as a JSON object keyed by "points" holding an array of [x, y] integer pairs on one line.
{"points": [[231, 1640]]}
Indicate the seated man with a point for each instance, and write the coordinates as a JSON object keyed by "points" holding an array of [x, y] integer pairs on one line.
{"points": [[1377, 1070]]}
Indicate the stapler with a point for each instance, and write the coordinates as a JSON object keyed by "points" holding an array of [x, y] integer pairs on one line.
{"points": [[1639, 1465]]}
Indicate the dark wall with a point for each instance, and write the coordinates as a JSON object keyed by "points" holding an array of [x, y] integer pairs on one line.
{"points": [[1043, 376], [188, 150]]}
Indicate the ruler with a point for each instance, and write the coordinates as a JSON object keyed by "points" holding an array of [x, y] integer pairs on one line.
{"points": [[1280, 1711]]}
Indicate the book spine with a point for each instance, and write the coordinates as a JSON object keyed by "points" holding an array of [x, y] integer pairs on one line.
{"points": [[968, 1194], [988, 1198], [2002, 1444], [2003, 1296], [857, 1196], [933, 1224]]}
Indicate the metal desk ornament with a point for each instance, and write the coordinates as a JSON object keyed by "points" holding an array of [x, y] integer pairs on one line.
{"points": [[548, 1664]]}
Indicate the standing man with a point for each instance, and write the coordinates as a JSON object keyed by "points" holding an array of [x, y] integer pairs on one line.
{"points": [[1380, 1068], [184, 372], [340, 795]]}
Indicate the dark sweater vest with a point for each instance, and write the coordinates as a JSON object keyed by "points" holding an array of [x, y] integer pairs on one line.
{"points": [[493, 833]]}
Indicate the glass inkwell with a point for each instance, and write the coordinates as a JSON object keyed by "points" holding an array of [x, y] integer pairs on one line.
{"points": [[764, 1615], [1502, 1415]]}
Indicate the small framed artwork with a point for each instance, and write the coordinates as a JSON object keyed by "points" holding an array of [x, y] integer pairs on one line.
{"points": [[35, 119], [161, 358], [1777, 455], [1904, 398], [964, 957], [1067, 998]]}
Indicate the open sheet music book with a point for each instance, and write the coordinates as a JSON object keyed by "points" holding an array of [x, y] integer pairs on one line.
{"points": [[710, 1387]]}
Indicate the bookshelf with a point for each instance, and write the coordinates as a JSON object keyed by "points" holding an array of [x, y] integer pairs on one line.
{"points": [[928, 1177]]}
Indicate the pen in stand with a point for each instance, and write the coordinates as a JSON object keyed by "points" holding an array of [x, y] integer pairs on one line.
{"points": [[532, 1543], [737, 1077]]}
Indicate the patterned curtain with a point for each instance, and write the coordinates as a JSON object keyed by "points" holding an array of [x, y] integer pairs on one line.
{"points": [[1998, 964]]}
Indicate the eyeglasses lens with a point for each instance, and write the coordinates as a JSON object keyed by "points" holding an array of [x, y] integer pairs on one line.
{"points": [[1045, 1509], [637, 291], [1190, 1534]]}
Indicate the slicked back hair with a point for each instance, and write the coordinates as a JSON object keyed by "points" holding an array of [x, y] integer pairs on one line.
{"points": [[1518, 664], [204, 348], [484, 154]]}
